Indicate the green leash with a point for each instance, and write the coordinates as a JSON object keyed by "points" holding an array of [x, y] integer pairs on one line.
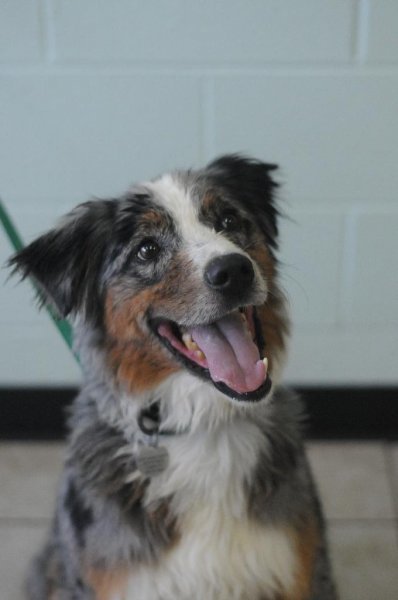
{"points": [[62, 325]]}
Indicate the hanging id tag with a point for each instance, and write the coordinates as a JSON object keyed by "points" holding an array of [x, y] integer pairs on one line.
{"points": [[152, 460]]}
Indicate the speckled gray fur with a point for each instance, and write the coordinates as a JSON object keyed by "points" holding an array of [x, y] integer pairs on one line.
{"points": [[105, 525], [108, 516]]}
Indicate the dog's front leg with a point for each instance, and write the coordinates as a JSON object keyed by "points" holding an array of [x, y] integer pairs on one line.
{"points": [[53, 574], [93, 531]]}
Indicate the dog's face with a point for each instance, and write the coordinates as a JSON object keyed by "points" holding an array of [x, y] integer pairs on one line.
{"points": [[177, 274]]}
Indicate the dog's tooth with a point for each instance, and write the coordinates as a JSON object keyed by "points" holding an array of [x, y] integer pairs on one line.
{"points": [[199, 354], [265, 362], [189, 343]]}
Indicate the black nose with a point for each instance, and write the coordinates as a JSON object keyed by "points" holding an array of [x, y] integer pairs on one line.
{"points": [[231, 273]]}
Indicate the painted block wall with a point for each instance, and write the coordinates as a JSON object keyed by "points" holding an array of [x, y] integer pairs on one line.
{"points": [[95, 95]]}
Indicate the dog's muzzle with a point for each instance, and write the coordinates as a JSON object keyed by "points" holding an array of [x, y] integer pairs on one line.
{"points": [[227, 349]]}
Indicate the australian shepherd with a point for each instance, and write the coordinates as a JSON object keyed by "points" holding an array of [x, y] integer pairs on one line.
{"points": [[185, 475]]}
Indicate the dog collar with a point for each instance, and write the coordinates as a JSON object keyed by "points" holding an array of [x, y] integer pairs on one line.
{"points": [[152, 458], [149, 419], [149, 422]]}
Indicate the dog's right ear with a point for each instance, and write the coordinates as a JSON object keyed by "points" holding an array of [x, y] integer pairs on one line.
{"points": [[65, 263]]}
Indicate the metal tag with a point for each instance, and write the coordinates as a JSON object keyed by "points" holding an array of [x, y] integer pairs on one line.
{"points": [[152, 460]]}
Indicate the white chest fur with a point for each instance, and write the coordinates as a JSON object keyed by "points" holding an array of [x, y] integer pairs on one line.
{"points": [[218, 558], [221, 554]]}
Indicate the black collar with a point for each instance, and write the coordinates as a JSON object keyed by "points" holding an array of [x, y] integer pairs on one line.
{"points": [[149, 419], [149, 422]]}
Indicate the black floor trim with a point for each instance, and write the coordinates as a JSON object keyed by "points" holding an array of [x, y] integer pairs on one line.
{"points": [[332, 412], [351, 412], [34, 413]]}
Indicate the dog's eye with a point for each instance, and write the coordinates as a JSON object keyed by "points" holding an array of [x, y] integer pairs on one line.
{"points": [[229, 222], [148, 250]]}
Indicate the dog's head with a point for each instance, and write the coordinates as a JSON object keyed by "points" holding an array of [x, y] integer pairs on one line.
{"points": [[179, 273]]}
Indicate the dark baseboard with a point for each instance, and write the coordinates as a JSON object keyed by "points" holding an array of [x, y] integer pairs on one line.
{"points": [[34, 413], [351, 412], [332, 412]]}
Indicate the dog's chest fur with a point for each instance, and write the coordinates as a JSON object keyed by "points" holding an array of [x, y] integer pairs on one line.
{"points": [[220, 552], [219, 558]]}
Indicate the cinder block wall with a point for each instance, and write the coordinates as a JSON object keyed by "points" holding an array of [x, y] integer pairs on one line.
{"points": [[95, 95]]}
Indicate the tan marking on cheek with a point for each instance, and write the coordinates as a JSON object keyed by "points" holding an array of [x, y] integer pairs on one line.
{"points": [[107, 584], [261, 255], [272, 316], [139, 371], [137, 360], [125, 318], [274, 327]]}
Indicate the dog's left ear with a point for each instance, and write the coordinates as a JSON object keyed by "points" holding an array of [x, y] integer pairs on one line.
{"points": [[249, 181], [64, 263]]}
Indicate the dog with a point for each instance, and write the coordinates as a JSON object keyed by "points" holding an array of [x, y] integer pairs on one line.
{"points": [[185, 475]]}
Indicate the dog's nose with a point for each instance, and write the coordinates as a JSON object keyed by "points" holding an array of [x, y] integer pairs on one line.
{"points": [[231, 273]]}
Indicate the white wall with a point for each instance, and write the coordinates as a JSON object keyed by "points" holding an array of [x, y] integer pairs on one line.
{"points": [[96, 94]]}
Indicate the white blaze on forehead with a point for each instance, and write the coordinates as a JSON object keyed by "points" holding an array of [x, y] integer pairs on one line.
{"points": [[202, 242]]}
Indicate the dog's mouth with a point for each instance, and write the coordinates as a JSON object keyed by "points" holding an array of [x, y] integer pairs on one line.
{"points": [[226, 352]]}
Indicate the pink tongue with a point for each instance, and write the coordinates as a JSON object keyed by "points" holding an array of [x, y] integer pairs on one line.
{"points": [[231, 354]]}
